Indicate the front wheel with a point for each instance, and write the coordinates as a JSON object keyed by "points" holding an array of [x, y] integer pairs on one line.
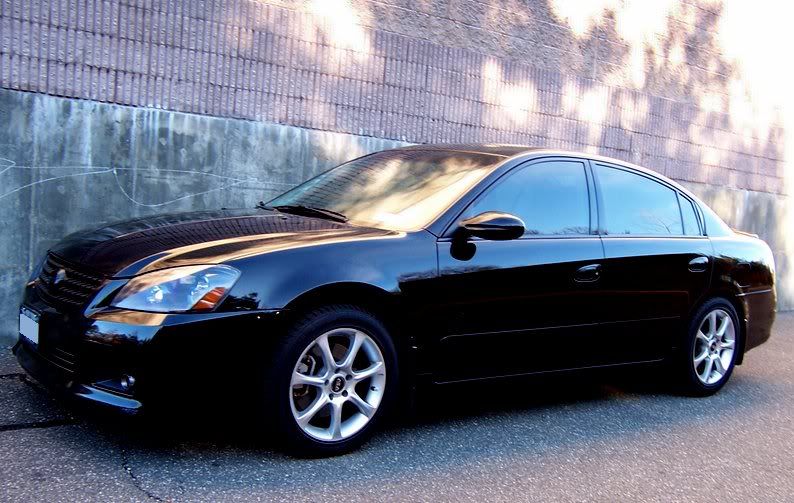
{"points": [[708, 357], [333, 378]]}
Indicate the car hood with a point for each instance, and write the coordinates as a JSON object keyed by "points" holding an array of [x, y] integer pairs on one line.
{"points": [[133, 247]]}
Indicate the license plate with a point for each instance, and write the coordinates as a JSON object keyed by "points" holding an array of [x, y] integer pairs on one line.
{"points": [[29, 325]]}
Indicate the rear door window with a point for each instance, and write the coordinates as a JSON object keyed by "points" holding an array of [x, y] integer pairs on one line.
{"points": [[637, 205]]}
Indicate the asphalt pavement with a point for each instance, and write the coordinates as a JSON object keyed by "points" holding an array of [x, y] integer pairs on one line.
{"points": [[610, 437]]}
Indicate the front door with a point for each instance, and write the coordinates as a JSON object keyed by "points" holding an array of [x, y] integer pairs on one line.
{"points": [[529, 304]]}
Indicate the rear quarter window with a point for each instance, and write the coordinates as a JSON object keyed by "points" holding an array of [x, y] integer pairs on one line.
{"points": [[691, 221]]}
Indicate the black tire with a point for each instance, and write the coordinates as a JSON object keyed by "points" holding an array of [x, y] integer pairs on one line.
{"points": [[684, 369], [278, 393]]}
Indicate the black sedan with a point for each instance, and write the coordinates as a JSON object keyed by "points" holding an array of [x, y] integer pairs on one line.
{"points": [[324, 307]]}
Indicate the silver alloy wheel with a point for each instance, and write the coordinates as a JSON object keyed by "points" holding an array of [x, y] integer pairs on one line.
{"points": [[337, 384], [715, 343]]}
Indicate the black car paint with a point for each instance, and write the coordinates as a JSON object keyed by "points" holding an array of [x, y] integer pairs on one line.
{"points": [[460, 308]]}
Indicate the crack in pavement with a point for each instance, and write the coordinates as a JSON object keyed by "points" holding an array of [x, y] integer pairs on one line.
{"points": [[125, 464], [13, 375], [48, 423], [66, 421], [26, 379], [23, 378], [27, 425]]}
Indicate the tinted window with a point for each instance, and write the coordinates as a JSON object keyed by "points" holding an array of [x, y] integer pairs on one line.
{"points": [[635, 204], [550, 197], [691, 226], [393, 189]]}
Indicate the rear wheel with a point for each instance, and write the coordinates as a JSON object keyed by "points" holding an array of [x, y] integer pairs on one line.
{"points": [[332, 379], [708, 357]]}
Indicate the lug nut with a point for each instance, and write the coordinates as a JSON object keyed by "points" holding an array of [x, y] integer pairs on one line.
{"points": [[344, 393]]}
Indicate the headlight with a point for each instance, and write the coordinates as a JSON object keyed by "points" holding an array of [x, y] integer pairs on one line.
{"points": [[180, 289]]}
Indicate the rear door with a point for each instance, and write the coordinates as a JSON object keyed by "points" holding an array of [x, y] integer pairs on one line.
{"points": [[657, 262]]}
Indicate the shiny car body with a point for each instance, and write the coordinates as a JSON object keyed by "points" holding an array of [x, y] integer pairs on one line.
{"points": [[458, 308]]}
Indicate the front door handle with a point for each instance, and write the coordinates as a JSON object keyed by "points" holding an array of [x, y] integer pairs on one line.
{"points": [[699, 264], [588, 273]]}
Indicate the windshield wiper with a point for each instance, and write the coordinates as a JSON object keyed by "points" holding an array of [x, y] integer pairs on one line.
{"points": [[310, 211]]}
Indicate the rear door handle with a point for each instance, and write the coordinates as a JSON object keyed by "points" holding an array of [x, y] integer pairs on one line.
{"points": [[699, 264], [588, 273]]}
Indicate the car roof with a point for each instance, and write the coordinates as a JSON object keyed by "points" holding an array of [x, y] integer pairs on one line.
{"points": [[521, 151], [503, 150], [514, 154]]}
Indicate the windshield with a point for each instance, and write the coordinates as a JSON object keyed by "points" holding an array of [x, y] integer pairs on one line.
{"points": [[398, 189]]}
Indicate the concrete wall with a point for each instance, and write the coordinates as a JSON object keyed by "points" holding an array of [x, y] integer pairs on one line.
{"points": [[692, 89], [653, 85], [70, 164]]}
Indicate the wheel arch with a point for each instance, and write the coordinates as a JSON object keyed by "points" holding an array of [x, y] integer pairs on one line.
{"points": [[383, 304]]}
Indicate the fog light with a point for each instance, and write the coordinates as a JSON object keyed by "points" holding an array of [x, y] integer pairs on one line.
{"points": [[127, 382]]}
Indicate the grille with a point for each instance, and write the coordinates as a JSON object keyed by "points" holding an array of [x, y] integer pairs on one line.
{"points": [[73, 290]]}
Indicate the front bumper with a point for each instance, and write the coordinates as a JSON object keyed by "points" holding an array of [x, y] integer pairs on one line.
{"points": [[64, 382], [173, 359]]}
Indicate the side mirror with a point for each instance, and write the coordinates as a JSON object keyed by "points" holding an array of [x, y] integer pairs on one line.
{"points": [[494, 226]]}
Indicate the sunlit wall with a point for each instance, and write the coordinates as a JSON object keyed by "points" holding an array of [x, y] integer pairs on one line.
{"points": [[698, 90]]}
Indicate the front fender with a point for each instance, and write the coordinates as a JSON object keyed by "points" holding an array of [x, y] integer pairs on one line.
{"points": [[274, 280]]}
